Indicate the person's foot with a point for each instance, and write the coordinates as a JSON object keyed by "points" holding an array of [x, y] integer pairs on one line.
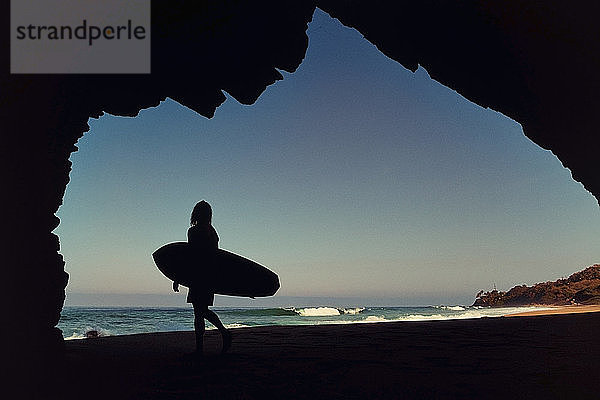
{"points": [[226, 342]]}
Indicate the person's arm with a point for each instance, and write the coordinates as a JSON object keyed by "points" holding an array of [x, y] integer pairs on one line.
{"points": [[176, 286]]}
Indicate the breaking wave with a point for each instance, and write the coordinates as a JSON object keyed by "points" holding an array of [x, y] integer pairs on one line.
{"points": [[294, 312], [88, 333], [327, 311], [235, 325], [451, 308]]}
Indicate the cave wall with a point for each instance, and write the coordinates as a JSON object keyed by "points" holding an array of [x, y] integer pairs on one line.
{"points": [[535, 64], [199, 49]]}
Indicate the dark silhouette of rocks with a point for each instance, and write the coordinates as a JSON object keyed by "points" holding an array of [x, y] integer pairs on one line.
{"points": [[536, 63], [580, 288]]}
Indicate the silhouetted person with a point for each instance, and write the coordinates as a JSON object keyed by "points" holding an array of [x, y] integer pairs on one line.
{"points": [[205, 241]]}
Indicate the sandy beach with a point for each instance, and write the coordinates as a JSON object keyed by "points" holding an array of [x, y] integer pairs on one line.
{"points": [[548, 356], [575, 309]]}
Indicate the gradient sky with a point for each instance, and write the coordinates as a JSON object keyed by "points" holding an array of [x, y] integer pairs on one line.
{"points": [[352, 177]]}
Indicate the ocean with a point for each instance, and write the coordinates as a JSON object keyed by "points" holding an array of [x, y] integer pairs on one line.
{"points": [[77, 321]]}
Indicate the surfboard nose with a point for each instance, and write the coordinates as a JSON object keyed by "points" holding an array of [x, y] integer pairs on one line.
{"points": [[275, 285]]}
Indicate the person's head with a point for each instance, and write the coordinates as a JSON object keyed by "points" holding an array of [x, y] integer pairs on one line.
{"points": [[201, 214]]}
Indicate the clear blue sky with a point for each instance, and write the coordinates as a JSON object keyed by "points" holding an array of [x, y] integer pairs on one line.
{"points": [[352, 177]]}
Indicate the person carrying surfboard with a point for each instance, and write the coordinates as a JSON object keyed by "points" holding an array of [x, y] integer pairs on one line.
{"points": [[204, 239]]}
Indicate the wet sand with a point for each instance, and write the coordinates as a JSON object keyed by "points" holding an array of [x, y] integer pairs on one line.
{"points": [[540, 357]]}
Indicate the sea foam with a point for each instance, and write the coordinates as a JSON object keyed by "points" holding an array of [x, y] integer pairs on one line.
{"points": [[327, 311], [451, 308], [86, 333]]}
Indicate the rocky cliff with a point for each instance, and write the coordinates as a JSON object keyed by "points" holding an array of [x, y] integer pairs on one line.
{"points": [[582, 287]]}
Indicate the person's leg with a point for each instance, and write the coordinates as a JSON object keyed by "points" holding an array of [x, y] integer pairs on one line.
{"points": [[199, 313], [214, 319]]}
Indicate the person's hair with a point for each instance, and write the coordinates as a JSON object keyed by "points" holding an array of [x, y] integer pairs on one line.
{"points": [[202, 213]]}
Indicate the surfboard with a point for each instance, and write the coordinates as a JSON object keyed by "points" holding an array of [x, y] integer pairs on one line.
{"points": [[225, 273]]}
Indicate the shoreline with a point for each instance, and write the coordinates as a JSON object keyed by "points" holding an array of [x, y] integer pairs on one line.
{"points": [[534, 310], [557, 310]]}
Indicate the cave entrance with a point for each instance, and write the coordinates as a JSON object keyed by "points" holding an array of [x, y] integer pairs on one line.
{"points": [[351, 177]]}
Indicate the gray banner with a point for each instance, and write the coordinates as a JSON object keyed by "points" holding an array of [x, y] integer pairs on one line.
{"points": [[80, 36]]}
